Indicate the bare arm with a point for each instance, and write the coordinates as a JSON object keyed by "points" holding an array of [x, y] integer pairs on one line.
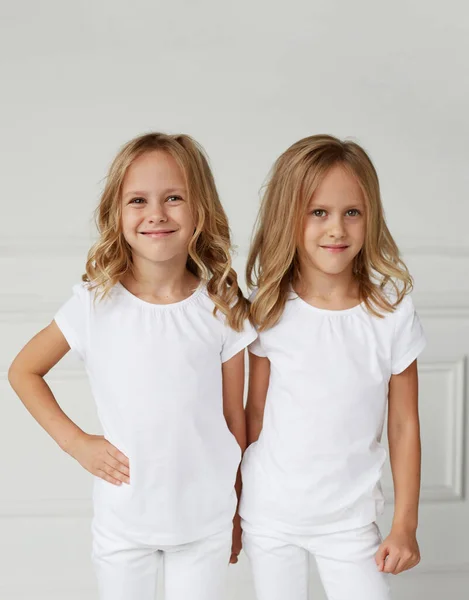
{"points": [[26, 376], [233, 409], [404, 446], [259, 374], [233, 391], [400, 550]]}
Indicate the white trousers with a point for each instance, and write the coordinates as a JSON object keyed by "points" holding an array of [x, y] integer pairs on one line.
{"points": [[345, 563], [193, 571]]}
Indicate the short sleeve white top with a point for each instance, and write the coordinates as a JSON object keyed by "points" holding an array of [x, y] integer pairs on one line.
{"points": [[156, 376], [317, 464]]}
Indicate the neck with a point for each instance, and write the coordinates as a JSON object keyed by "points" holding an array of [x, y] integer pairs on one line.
{"points": [[166, 278], [317, 284]]}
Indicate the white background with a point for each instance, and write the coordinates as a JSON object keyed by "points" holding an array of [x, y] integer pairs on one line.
{"points": [[246, 79]]}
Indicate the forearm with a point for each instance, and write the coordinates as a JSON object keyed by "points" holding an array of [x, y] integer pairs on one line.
{"points": [[405, 457], [254, 423], [39, 400], [237, 425]]}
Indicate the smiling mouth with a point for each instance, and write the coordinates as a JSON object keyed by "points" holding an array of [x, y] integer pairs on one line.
{"points": [[337, 248], [157, 234]]}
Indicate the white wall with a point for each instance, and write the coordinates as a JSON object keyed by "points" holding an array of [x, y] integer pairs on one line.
{"points": [[246, 79]]}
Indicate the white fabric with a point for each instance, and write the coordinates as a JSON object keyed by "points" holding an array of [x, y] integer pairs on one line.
{"points": [[345, 561], [318, 461], [156, 376], [195, 571]]}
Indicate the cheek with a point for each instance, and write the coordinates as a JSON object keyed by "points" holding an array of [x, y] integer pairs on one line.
{"points": [[185, 220], [128, 220], [130, 224], [359, 233], [312, 232]]}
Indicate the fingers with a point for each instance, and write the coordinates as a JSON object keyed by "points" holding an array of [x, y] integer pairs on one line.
{"points": [[117, 455], [115, 474], [118, 468], [233, 558], [380, 556], [109, 478], [116, 464], [391, 562], [397, 562], [407, 561]]}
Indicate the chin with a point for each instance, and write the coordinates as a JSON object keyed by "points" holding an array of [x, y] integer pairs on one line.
{"points": [[162, 257], [157, 256], [332, 269]]}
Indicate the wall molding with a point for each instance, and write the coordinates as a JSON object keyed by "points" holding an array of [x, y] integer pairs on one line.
{"points": [[50, 246], [50, 507], [453, 491], [47, 508], [26, 307], [457, 371], [443, 305]]}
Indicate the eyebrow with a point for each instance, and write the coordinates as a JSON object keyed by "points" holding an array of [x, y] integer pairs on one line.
{"points": [[326, 207], [142, 193]]}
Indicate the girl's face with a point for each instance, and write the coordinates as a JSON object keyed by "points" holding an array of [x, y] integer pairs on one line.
{"points": [[334, 230], [157, 222]]}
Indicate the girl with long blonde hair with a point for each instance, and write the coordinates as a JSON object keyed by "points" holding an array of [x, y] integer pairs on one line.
{"points": [[338, 342], [161, 325]]}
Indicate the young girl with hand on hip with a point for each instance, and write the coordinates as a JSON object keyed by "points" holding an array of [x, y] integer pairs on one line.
{"points": [[161, 326], [338, 343]]}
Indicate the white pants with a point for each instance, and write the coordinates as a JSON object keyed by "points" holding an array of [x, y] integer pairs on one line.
{"points": [[345, 563], [193, 571]]}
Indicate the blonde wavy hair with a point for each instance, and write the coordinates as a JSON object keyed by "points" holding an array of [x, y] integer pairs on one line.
{"points": [[209, 250], [273, 265]]}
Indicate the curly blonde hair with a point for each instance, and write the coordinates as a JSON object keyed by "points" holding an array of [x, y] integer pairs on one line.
{"points": [[209, 250], [273, 265]]}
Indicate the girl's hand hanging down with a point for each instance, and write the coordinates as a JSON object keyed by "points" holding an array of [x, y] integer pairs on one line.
{"points": [[100, 458], [399, 552], [237, 544]]}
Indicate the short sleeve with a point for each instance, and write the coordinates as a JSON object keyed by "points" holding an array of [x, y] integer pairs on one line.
{"points": [[255, 347], [235, 341], [72, 320], [409, 338]]}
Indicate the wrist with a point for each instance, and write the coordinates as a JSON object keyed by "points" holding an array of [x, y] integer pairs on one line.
{"points": [[405, 526], [70, 443]]}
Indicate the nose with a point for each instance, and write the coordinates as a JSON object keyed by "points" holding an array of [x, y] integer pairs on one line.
{"points": [[158, 213], [336, 228]]}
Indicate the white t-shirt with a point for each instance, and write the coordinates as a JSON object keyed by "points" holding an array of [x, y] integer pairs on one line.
{"points": [[156, 376], [317, 464]]}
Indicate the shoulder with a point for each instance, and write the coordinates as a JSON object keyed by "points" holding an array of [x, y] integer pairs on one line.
{"points": [[201, 309], [83, 290], [93, 297], [206, 303], [401, 306]]}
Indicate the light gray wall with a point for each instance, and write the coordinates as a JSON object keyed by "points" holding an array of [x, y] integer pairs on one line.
{"points": [[246, 79]]}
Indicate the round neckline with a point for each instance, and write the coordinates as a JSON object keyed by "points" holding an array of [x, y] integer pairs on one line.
{"points": [[326, 311], [172, 305]]}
